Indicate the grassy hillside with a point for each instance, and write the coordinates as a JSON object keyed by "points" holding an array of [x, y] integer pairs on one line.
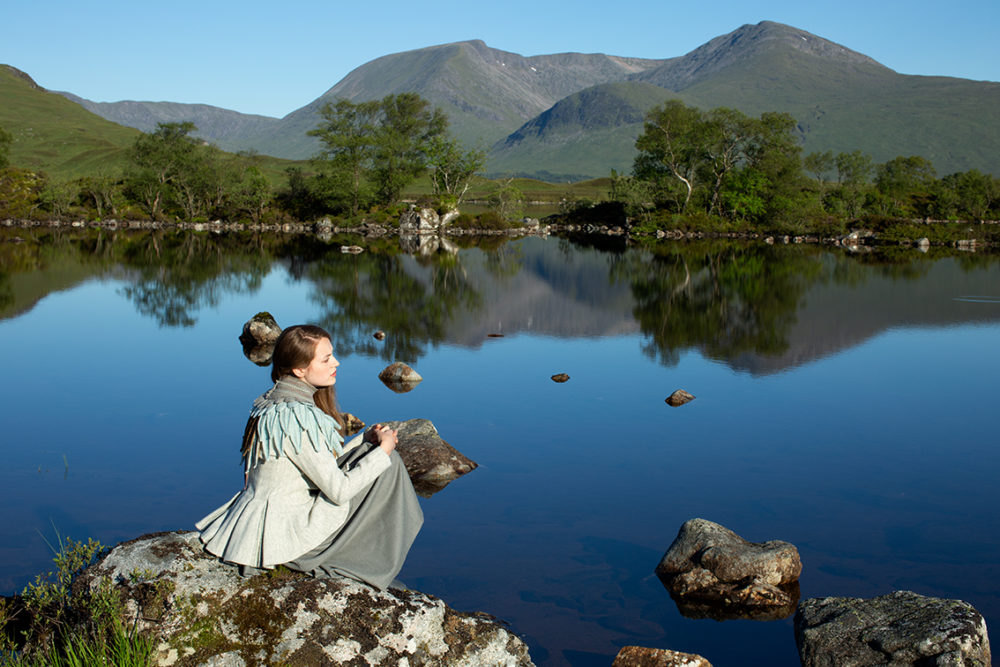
{"points": [[53, 134]]}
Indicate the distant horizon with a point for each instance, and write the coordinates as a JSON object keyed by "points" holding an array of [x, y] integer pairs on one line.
{"points": [[252, 59]]}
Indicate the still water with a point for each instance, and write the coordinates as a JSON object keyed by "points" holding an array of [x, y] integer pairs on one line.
{"points": [[845, 403]]}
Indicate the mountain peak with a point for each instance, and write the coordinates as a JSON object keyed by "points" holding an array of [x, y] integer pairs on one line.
{"points": [[745, 43]]}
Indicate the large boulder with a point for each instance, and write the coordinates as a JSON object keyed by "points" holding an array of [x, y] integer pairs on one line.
{"points": [[712, 572], [431, 462], [901, 628], [203, 613]]}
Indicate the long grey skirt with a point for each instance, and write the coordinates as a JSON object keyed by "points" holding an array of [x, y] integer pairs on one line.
{"points": [[383, 520]]}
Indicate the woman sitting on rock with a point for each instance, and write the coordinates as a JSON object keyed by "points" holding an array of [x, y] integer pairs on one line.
{"points": [[309, 501]]}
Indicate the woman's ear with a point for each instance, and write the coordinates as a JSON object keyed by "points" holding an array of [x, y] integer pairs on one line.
{"points": [[299, 372]]}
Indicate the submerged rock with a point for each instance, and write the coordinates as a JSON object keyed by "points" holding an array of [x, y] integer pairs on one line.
{"points": [[712, 572], [640, 656], [379, 335], [679, 397], [431, 462], [560, 377], [901, 628], [202, 612]]}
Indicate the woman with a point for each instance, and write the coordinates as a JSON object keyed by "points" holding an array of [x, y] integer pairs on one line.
{"points": [[309, 501]]}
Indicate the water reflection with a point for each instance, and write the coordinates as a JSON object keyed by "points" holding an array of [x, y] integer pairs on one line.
{"points": [[757, 307]]}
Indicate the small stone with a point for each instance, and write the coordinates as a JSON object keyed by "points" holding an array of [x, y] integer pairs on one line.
{"points": [[379, 335], [640, 656], [351, 249], [494, 335], [560, 377], [679, 397]]}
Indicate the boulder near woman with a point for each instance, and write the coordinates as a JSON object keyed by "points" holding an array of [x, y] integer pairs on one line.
{"points": [[309, 501]]}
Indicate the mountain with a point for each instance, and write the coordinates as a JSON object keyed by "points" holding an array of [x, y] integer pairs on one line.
{"points": [[585, 134], [53, 134], [556, 113], [841, 99], [230, 130]]}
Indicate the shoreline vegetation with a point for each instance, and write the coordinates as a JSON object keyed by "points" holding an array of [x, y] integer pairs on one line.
{"points": [[697, 173]]}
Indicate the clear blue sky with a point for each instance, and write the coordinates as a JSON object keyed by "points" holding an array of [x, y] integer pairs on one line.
{"points": [[273, 57]]}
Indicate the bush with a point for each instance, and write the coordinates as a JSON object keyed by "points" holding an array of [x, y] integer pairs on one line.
{"points": [[491, 220]]}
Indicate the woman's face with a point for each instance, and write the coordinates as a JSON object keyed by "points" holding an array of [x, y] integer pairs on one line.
{"points": [[322, 370]]}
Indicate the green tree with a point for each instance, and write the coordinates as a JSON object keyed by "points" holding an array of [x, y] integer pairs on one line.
{"points": [[157, 161], [506, 198], [819, 165], [452, 169], [348, 133], [854, 172], [903, 182], [671, 149], [407, 129]]}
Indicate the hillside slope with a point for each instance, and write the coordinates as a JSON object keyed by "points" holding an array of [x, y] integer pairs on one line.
{"points": [[55, 135]]}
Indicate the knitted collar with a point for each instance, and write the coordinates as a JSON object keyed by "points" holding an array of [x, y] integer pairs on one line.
{"points": [[287, 389]]}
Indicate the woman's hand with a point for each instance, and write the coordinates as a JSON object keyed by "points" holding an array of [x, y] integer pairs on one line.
{"points": [[387, 437]]}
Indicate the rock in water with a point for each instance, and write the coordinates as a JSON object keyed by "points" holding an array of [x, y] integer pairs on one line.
{"points": [[399, 377], [261, 329], [202, 612], [640, 656], [679, 397], [430, 461], [901, 628], [560, 377], [711, 571]]}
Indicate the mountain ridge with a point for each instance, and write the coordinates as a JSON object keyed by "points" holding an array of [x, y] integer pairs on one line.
{"points": [[843, 100]]}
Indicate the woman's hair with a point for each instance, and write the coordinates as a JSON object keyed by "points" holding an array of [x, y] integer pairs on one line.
{"points": [[295, 348]]}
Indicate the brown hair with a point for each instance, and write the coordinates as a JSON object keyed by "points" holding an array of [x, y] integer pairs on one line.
{"points": [[295, 348]]}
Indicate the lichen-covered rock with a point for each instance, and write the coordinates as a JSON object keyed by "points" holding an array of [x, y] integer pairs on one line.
{"points": [[711, 571], [640, 656], [202, 612], [901, 628], [430, 461]]}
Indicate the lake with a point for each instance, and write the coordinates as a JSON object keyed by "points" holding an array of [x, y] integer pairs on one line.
{"points": [[845, 402]]}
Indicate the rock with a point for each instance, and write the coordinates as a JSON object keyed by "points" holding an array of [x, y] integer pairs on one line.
{"points": [[640, 656], [430, 461], [202, 612], [399, 377], [679, 397], [531, 223], [352, 249], [494, 335], [560, 377], [258, 337], [379, 335], [923, 243], [352, 424], [901, 628], [712, 572], [424, 221], [261, 329]]}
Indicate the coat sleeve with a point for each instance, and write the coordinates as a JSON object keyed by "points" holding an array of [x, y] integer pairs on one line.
{"points": [[337, 485]]}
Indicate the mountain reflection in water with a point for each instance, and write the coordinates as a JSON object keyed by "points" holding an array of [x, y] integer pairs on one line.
{"points": [[844, 405]]}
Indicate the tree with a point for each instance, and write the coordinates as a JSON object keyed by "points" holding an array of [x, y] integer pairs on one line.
{"points": [[819, 164], [348, 134], [452, 169], [506, 199], [408, 127], [903, 180], [854, 171], [157, 160], [671, 147]]}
